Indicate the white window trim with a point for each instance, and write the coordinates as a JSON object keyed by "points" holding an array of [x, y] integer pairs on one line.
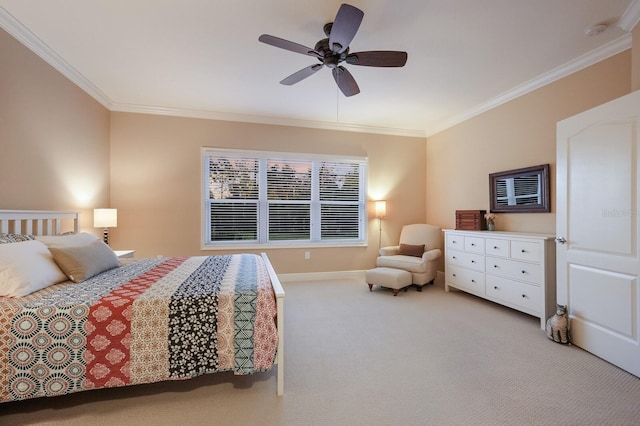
{"points": [[275, 155]]}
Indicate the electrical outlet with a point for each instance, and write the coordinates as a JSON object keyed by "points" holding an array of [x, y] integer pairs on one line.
{"points": [[307, 255]]}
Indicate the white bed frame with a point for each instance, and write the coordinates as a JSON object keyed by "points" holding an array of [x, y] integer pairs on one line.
{"points": [[40, 222], [36, 222]]}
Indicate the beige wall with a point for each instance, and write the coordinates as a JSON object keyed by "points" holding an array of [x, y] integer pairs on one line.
{"points": [[54, 138], [156, 183], [635, 59], [520, 133]]}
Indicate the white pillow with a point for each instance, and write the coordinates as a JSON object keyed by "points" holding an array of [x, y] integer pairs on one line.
{"points": [[26, 267], [67, 240]]}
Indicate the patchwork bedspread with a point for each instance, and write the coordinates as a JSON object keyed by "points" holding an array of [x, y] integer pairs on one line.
{"points": [[147, 321]]}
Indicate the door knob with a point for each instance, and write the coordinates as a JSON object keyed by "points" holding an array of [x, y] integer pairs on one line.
{"points": [[561, 240]]}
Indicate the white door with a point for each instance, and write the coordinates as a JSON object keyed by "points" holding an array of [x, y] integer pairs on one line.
{"points": [[597, 207]]}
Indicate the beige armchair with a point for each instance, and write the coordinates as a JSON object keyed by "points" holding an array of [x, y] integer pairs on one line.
{"points": [[409, 255]]}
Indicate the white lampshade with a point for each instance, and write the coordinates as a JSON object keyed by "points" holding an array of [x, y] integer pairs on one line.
{"points": [[381, 209], [105, 218]]}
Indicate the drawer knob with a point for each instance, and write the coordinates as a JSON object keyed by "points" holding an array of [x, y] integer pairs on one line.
{"points": [[523, 251], [473, 281], [495, 287], [495, 266], [473, 261], [454, 257], [524, 295], [495, 247], [524, 272], [473, 244], [453, 275]]}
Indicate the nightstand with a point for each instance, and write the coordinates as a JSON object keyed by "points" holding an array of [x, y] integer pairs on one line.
{"points": [[125, 254]]}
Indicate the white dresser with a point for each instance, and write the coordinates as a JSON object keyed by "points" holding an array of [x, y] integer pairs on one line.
{"points": [[514, 269]]}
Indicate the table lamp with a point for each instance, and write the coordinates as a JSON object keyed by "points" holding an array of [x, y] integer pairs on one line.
{"points": [[105, 218]]}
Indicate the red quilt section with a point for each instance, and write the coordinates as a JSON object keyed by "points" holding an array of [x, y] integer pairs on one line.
{"points": [[109, 329]]}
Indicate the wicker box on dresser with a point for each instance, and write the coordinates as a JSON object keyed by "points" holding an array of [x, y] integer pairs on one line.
{"points": [[471, 220], [513, 269]]}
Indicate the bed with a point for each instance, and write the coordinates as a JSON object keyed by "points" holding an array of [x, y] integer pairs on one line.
{"points": [[109, 323]]}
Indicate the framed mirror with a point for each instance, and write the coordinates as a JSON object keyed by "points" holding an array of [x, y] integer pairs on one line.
{"points": [[523, 190]]}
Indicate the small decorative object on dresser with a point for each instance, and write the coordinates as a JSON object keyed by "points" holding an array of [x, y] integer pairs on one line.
{"points": [[491, 224], [471, 220], [558, 326]]}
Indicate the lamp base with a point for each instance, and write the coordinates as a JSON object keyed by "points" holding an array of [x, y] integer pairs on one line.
{"points": [[105, 236]]}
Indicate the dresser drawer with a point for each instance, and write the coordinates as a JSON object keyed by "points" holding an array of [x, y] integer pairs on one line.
{"points": [[472, 281], [465, 260], [455, 241], [525, 250], [516, 293], [497, 247], [513, 269], [474, 244]]}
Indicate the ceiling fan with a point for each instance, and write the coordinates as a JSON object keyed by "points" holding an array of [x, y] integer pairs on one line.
{"points": [[334, 50]]}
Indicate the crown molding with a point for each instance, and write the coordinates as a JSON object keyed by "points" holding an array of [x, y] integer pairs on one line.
{"points": [[614, 47], [256, 119], [37, 46], [631, 16]]}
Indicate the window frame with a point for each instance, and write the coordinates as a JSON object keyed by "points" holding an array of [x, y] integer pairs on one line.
{"points": [[262, 221]]}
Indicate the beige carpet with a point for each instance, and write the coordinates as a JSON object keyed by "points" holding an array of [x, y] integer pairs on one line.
{"points": [[358, 358]]}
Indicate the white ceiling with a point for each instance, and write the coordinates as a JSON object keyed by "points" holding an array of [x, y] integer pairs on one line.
{"points": [[202, 58]]}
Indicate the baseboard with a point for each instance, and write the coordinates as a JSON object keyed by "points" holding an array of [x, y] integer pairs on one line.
{"points": [[339, 275], [318, 276]]}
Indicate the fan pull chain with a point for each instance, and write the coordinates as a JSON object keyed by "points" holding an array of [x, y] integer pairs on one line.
{"points": [[337, 100]]}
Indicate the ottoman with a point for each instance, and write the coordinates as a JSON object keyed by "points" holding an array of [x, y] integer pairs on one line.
{"points": [[395, 279]]}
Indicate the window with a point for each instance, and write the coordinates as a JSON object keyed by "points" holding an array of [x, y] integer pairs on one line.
{"points": [[269, 198]]}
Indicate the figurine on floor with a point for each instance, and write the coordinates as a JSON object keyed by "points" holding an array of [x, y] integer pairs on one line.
{"points": [[558, 326]]}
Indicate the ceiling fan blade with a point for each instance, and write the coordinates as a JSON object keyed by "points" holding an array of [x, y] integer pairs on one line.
{"points": [[288, 45], [344, 27], [378, 58], [301, 75], [345, 81]]}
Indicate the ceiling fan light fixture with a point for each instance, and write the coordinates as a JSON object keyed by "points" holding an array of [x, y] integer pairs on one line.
{"points": [[594, 30], [334, 50]]}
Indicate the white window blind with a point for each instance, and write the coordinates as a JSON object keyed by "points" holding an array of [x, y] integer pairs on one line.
{"points": [[289, 195], [233, 190], [339, 185], [256, 197], [522, 190]]}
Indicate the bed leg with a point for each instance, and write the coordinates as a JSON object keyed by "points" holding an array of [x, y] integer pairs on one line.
{"points": [[279, 293], [280, 355]]}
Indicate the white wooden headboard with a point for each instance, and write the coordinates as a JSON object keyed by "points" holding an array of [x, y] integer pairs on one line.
{"points": [[36, 222]]}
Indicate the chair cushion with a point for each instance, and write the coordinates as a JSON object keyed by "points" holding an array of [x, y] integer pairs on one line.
{"points": [[411, 250], [421, 233], [408, 263]]}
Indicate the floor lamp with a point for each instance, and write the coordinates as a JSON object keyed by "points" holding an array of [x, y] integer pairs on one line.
{"points": [[105, 218], [381, 213]]}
